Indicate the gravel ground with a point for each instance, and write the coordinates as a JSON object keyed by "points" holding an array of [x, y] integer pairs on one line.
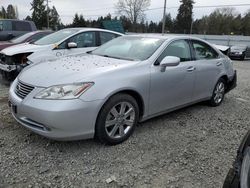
{"points": [[192, 147]]}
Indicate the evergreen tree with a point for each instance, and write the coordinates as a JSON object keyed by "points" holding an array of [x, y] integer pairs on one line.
{"points": [[75, 22], [185, 16], [54, 19], [11, 13], [39, 14]]}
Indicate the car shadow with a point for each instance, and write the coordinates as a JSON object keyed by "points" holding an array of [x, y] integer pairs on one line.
{"points": [[94, 143]]}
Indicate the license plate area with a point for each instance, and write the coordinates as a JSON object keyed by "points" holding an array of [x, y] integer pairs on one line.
{"points": [[13, 107]]}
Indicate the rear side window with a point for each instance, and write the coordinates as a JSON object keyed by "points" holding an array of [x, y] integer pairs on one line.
{"points": [[203, 51], [179, 48], [105, 37], [21, 26]]}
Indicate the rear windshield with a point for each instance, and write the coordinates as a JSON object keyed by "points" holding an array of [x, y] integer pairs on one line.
{"points": [[56, 37], [21, 38], [238, 47]]}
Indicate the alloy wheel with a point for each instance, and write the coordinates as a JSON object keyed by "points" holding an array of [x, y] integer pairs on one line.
{"points": [[120, 120], [219, 92]]}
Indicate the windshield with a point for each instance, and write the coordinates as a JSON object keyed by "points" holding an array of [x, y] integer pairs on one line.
{"points": [[130, 47], [56, 37], [21, 38], [238, 47]]}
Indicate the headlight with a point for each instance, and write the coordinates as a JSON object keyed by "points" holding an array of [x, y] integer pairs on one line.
{"points": [[29, 62], [69, 91]]}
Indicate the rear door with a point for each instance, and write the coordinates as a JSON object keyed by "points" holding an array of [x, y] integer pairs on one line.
{"points": [[208, 65]]}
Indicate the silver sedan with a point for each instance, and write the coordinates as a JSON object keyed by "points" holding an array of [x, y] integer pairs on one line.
{"points": [[106, 92]]}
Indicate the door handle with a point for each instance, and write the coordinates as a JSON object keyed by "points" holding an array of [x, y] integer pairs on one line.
{"points": [[219, 63], [191, 69]]}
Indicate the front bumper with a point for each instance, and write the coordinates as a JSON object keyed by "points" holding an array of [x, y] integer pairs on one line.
{"points": [[7, 68], [55, 119], [237, 56]]}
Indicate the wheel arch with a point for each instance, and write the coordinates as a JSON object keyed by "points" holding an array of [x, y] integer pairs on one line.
{"points": [[133, 93]]}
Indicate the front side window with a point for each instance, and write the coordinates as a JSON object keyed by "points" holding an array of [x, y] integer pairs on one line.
{"points": [[203, 51], [179, 49], [84, 40], [105, 37]]}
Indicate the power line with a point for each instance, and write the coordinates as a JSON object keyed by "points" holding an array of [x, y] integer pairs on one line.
{"points": [[202, 6]]}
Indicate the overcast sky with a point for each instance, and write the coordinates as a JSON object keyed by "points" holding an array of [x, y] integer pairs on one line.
{"points": [[91, 9]]}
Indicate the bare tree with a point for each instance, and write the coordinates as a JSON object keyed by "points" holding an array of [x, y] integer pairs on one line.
{"points": [[133, 9]]}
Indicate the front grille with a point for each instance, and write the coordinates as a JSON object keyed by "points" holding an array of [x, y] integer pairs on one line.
{"points": [[22, 90]]}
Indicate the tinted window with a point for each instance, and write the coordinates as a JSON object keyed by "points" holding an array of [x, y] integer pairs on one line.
{"points": [[5, 25], [179, 49], [105, 37], [204, 51], [21, 38], [83, 40], [21, 26], [37, 37], [130, 47]]}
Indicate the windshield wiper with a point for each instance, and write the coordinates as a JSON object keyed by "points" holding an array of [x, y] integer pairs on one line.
{"points": [[118, 57]]}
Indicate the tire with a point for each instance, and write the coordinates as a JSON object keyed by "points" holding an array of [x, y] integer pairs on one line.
{"points": [[245, 170], [117, 119], [243, 57], [218, 93]]}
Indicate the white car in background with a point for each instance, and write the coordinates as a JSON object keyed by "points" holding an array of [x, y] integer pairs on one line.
{"points": [[62, 43]]}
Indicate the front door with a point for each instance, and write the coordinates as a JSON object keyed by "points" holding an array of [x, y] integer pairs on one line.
{"points": [[174, 87]]}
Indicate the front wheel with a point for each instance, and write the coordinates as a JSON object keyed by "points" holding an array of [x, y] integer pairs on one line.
{"points": [[243, 57], [218, 93], [117, 119]]}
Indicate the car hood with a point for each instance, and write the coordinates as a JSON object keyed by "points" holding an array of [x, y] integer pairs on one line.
{"points": [[70, 69], [24, 48]]}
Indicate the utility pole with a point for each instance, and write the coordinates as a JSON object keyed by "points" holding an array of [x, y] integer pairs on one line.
{"points": [[48, 14], [164, 17], [191, 27]]}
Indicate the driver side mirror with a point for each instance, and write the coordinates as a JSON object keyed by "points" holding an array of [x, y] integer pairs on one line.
{"points": [[72, 45], [169, 61]]}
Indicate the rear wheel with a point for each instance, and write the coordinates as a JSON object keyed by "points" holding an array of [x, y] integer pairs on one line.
{"points": [[117, 119], [218, 93], [245, 170]]}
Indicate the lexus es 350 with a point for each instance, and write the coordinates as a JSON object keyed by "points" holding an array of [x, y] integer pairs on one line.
{"points": [[130, 79]]}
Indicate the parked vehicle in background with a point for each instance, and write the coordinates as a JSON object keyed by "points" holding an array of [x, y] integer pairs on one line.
{"points": [[239, 175], [224, 49], [239, 52], [104, 93], [10, 29], [55, 45], [25, 38]]}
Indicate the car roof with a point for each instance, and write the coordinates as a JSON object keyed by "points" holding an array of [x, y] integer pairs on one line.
{"points": [[165, 36], [81, 29], [15, 20]]}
